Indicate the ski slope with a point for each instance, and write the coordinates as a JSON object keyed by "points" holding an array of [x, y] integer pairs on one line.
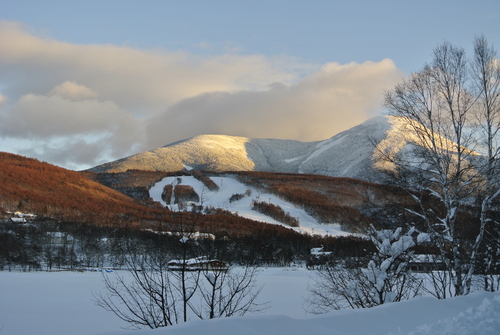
{"points": [[243, 207]]}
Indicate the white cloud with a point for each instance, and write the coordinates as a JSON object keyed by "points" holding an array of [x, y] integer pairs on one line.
{"points": [[324, 103], [145, 80], [133, 100], [65, 132], [42, 116], [72, 91], [205, 45]]}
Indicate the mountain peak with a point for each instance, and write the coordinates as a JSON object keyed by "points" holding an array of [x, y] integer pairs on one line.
{"points": [[347, 154]]}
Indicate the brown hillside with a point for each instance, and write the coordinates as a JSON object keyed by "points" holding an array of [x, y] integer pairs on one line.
{"points": [[36, 187], [29, 185], [133, 183], [341, 191], [352, 202]]}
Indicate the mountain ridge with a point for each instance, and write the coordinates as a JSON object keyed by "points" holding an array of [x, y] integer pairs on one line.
{"points": [[347, 154]]}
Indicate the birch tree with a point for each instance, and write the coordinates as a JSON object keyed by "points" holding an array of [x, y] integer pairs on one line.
{"points": [[442, 109], [486, 77]]}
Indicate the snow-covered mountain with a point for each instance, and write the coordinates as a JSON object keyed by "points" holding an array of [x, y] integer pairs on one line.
{"points": [[347, 154]]}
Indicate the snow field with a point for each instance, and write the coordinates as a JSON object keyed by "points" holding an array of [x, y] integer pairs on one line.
{"points": [[61, 303]]}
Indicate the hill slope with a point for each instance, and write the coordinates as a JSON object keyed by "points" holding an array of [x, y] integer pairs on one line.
{"points": [[29, 185], [317, 204], [347, 154]]}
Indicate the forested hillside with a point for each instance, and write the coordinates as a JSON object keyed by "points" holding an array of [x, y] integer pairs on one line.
{"points": [[81, 223], [352, 203], [29, 185]]}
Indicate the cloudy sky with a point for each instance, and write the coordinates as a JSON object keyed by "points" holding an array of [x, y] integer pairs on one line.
{"points": [[86, 82]]}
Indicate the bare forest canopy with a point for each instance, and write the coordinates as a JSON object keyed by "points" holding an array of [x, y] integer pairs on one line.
{"points": [[29, 185]]}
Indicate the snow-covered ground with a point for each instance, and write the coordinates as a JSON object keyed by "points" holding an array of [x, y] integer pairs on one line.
{"points": [[243, 207], [62, 303]]}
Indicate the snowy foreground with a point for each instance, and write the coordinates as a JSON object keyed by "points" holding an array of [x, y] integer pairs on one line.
{"points": [[62, 303]]}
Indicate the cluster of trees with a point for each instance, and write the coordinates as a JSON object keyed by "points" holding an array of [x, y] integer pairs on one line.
{"points": [[185, 193], [48, 244], [235, 197], [166, 195], [451, 109], [275, 212], [238, 196], [451, 168], [182, 194], [133, 183], [209, 183], [29, 185]]}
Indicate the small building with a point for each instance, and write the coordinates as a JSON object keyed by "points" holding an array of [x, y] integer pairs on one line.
{"points": [[426, 263], [20, 217], [318, 252], [197, 264]]}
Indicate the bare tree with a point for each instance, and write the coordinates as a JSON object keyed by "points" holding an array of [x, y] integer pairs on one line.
{"points": [[147, 299], [187, 282], [155, 295], [439, 107], [486, 76], [386, 277], [228, 293]]}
